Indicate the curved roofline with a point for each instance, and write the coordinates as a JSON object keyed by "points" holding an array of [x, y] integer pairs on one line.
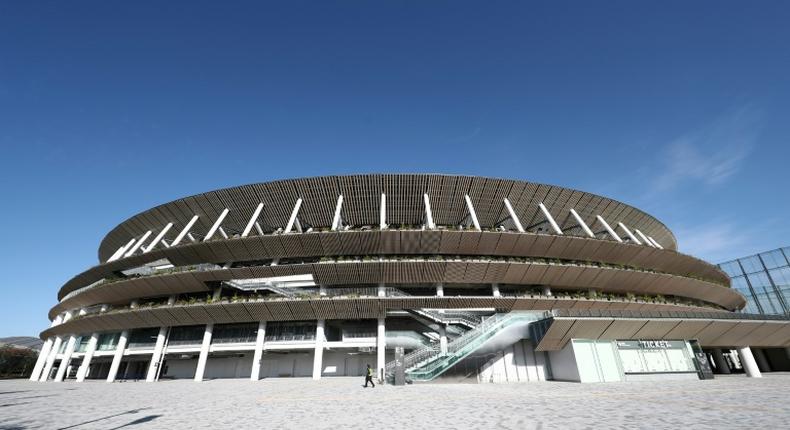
{"points": [[105, 239]]}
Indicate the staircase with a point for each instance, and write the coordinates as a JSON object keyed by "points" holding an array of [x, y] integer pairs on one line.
{"points": [[268, 286], [427, 363], [463, 318], [466, 319]]}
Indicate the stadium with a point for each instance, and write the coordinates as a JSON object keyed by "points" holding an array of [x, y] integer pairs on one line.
{"points": [[461, 278]]}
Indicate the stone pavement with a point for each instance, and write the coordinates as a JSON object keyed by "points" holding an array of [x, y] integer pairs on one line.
{"points": [[339, 403]]}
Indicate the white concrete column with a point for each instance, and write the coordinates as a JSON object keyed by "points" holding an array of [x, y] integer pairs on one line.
{"points": [[550, 218], [513, 216], [43, 355], [256, 359], [382, 290], [42, 359], [322, 290], [547, 290], [472, 213], [443, 340], [495, 290], [201, 365], [748, 363], [319, 349], [439, 290], [383, 212], [153, 366], [762, 360], [721, 363], [381, 349], [53, 353], [608, 228], [337, 220], [116, 359], [82, 372], [64, 362]]}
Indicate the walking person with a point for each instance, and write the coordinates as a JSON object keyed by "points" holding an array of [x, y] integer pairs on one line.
{"points": [[369, 377]]}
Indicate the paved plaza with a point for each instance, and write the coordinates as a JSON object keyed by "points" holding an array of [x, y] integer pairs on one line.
{"points": [[338, 403]]}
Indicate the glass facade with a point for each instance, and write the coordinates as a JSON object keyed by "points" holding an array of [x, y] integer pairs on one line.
{"points": [[764, 279]]}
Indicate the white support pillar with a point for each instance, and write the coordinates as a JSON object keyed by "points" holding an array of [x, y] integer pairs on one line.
{"points": [[222, 232], [121, 250], [748, 363], [158, 238], [118, 356], [138, 244], [608, 228], [547, 291], [382, 290], [258, 356], [655, 242], [153, 366], [428, 214], [472, 213], [495, 290], [66, 360], [550, 218], [336, 219], [117, 252], [216, 225], [185, 231], [582, 224], [721, 364], [42, 359], [53, 353], [45, 350], [258, 228], [645, 240], [253, 219], [319, 349], [203, 358], [513, 216], [381, 349], [383, 212], [439, 290], [82, 371], [443, 340], [294, 214], [629, 234]]}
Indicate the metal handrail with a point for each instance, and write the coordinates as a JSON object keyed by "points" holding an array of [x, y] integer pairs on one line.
{"points": [[594, 313], [447, 317], [429, 354]]}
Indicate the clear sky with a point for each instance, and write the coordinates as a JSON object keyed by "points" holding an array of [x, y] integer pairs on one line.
{"points": [[110, 108]]}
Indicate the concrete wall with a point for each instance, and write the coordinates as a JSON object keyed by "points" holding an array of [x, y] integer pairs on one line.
{"points": [[273, 365], [597, 361], [518, 362], [338, 363], [178, 368], [299, 364], [230, 366], [563, 364]]}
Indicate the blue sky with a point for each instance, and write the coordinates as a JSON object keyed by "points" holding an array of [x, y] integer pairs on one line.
{"points": [[109, 108]]}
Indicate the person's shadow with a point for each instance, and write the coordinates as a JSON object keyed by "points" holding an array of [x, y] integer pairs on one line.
{"points": [[142, 420]]}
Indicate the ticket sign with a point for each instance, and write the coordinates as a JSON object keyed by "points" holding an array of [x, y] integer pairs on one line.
{"points": [[651, 344]]}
